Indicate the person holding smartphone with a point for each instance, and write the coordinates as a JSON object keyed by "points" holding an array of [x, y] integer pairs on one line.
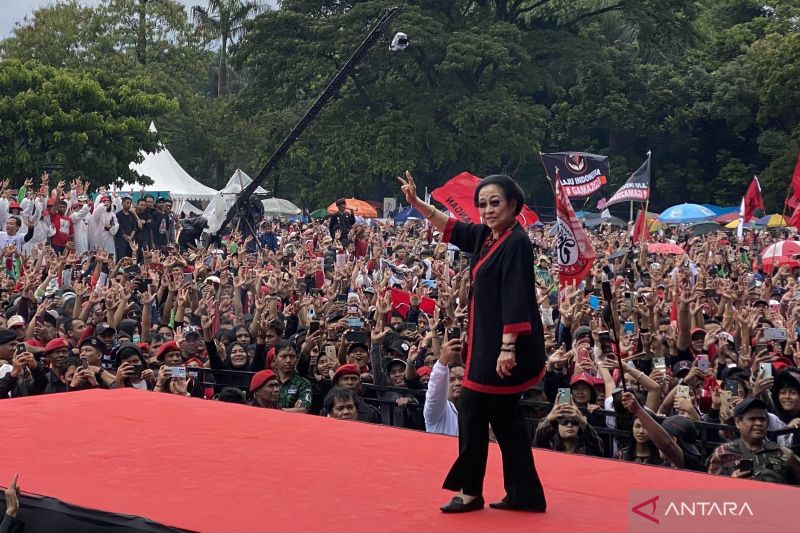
{"points": [[753, 455]]}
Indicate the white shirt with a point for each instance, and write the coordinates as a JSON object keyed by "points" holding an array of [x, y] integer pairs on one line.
{"points": [[441, 416]]}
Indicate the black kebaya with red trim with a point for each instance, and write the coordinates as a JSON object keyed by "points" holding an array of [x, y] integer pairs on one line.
{"points": [[502, 300]]}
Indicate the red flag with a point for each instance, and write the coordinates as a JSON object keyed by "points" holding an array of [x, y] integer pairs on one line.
{"points": [[640, 228], [401, 303], [794, 200], [457, 196], [795, 220], [575, 253], [752, 200]]}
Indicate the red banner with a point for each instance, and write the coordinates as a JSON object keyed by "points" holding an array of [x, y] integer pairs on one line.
{"points": [[575, 253], [641, 231], [794, 199], [401, 303], [458, 195]]}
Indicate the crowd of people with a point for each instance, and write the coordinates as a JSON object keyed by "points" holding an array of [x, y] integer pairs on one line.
{"points": [[366, 320]]}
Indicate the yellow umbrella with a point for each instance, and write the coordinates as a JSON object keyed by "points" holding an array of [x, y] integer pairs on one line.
{"points": [[733, 224], [773, 221]]}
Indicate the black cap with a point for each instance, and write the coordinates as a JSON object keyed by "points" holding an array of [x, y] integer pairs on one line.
{"points": [[681, 368], [400, 346], [7, 335], [94, 342], [747, 404], [682, 428], [393, 362], [357, 345], [103, 328]]}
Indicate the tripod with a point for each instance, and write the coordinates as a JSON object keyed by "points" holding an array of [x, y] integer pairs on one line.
{"points": [[243, 222]]}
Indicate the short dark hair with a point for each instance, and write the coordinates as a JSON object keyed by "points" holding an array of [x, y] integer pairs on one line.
{"points": [[17, 220], [70, 361], [337, 394], [511, 190], [231, 395], [285, 345]]}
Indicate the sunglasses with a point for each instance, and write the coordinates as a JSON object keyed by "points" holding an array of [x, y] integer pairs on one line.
{"points": [[568, 422]]}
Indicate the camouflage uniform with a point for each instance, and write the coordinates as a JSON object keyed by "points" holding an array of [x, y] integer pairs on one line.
{"points": [[773, 462]]}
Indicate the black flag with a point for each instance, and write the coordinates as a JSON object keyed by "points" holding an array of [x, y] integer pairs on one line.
{"points": [[636, 189], [581, 174]]}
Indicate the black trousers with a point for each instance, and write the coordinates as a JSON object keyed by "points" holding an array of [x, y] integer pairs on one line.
{"points": [[476, 411]]}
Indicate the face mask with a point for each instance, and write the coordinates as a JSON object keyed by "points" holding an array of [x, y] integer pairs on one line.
{"points": [[136, 339]]}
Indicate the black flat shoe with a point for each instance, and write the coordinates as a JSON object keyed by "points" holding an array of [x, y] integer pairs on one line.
{"points": [[503, 505], [457, 505]]}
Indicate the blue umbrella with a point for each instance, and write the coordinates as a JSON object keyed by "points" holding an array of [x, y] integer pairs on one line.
{"points": [[685, 214], [404, 214], [719, 210]]}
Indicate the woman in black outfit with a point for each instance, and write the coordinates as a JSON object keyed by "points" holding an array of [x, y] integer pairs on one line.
{"points": [[236, 359], [505, 348]]}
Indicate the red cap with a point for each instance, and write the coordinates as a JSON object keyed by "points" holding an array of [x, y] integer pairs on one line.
{"points": [[584, 377], [349, 369], [270, 357], [260, 378], [143, 346], [782, 362], [424, 371], [55, 344], [13, 205], [194, 360], [698, 330], [170, 346]]}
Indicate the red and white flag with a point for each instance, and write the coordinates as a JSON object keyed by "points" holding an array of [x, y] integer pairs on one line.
{"points": [[641, 231], [752, 200], [575, 253], [794, 199]]}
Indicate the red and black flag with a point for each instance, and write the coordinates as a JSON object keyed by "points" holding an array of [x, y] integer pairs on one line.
{"points": [[636, 189], [582, 174], [575, 254]]}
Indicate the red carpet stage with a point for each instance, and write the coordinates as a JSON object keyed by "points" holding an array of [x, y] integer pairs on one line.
{"points": [[208, 466]]}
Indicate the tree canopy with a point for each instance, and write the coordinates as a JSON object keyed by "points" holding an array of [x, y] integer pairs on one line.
{"points": [[710, 86]]}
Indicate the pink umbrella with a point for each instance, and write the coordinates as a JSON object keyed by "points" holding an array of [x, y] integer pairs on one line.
{"points": [[665, 248], [779, 254]]}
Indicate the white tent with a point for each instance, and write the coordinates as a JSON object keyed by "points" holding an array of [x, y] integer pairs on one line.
{"points": [[222, 201], [278, 207], [169, 176]]}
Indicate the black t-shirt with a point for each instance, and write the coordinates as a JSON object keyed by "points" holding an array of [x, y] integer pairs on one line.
{"points": [[160, 228], [127, 225], [143, 233]]}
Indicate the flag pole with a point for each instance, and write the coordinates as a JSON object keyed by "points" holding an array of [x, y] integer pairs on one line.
{"points": [[547, 174], [645, 228]]}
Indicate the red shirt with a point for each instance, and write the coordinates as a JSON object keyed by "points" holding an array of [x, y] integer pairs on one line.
{"points": [[64, 229]]}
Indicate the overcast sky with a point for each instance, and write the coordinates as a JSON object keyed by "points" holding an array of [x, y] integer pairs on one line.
{"points": [[13, 11]]}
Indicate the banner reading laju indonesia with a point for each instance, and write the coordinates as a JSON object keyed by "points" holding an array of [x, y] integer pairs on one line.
{"points": [[581, 173], [636, 189], [575, 254]]}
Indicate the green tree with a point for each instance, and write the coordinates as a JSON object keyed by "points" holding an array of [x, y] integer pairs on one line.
{"points": [[92, 127]]}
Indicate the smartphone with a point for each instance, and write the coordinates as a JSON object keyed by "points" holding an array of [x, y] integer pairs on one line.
{"points": [[357, 337], [330, 351], [732, 386], [710, 293], [453, 333], [594, 302], [702, 362], [775, 334], [21, 347], [725, 396], [137, 371], [608, 295], [628, 328], [341, 298], [582, 355], [765, 370], [682, 391], [564, 396], [760, 348], [84, 363], [355, 323], [352, 309], [313, 327], [187, 277], [178, 372], [745, 465], [659, 363]]}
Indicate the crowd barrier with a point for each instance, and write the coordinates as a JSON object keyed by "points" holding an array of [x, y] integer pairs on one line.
{"points": [[709, 435]]}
